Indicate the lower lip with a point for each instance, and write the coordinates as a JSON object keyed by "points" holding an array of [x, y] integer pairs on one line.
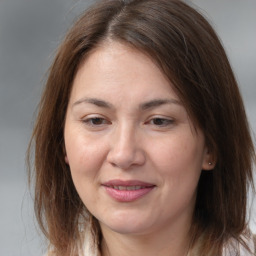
{"points": [[127, 195]]}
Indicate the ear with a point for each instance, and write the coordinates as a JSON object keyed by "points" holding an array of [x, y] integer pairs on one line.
{"points": [[209, 160], [66, 159], [65, 154]]}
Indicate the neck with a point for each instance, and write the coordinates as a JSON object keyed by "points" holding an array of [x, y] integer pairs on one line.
{"points": [[161, 243]]}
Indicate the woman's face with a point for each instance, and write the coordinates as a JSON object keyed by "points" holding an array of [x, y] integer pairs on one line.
{"points": [[133, 153]]}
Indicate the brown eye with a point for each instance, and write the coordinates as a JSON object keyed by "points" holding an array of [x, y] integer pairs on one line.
{"points": [[95, 121], [161, 121]]}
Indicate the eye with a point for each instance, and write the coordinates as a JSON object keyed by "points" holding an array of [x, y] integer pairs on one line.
{"points": [[95, 121], [161, 122]]}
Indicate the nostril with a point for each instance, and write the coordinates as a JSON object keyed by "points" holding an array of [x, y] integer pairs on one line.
{"points": [[126, 159], [125, 151]]}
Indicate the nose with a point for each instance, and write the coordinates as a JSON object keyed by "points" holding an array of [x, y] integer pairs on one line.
{"points": [[126, 149]]}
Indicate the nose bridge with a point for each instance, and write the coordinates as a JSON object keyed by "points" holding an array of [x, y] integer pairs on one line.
{"points": [[125, 136], [125, 149]]}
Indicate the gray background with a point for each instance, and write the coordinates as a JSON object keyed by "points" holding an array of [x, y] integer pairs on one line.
{"points": [[30, 31]]}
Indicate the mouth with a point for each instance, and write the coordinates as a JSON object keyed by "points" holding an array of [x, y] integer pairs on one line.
{"points": [[127, 191], [127, 187]]}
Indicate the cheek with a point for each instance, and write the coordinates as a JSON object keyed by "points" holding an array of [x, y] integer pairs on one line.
{"points": [[85, 161], [179, 159], [84, 156]]}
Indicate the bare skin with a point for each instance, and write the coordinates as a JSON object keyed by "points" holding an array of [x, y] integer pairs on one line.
{"points": [[126, 125]]}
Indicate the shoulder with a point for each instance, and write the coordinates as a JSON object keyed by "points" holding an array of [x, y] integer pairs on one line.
{"points": [[244, 247], [89, 247], [85, 243], [50, 253]]}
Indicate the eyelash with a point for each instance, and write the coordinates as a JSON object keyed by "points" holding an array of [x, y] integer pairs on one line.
{"points": [[91, 121], [165, 122], [100, 121]]}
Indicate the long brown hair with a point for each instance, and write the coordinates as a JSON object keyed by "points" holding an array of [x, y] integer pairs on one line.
{"points": [[189, 53]]}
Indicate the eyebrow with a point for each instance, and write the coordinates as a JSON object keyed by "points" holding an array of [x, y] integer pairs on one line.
{"points": [[94, 101], [157, 103], [143, 106]]}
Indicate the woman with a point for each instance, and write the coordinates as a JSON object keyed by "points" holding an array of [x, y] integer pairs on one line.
{"points": [[141, 142]]}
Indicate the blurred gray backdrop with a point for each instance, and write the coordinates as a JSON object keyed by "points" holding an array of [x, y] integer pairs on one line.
{"points": [[30, 31]]}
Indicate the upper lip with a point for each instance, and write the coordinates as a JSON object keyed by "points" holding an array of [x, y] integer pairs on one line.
{"points": [[127, 183]]}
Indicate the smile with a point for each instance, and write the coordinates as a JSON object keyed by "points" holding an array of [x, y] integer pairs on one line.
{"points": [[127, 191], [128, 187]]}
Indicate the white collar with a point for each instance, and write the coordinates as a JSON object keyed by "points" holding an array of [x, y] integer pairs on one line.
{"points": [[230, 249]]}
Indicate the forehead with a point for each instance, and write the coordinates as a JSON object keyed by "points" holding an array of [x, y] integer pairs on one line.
{"points": [[123, 77], [117, 67]]}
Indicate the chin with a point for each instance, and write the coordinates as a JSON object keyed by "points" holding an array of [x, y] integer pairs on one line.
{"points": [[126, 229], [126, 225]]}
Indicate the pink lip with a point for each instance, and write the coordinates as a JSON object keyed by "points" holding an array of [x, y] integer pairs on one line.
{"points": [[127, 195]]}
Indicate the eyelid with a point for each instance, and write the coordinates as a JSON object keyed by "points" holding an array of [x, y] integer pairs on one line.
{"points": [[168, 120], [89, 118]]}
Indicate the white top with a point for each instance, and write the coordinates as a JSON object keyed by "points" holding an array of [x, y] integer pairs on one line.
{"points": [[233, 247], [230, 249]]}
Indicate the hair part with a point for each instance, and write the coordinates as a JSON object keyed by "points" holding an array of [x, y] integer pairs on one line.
{"points": [[190, 55]]}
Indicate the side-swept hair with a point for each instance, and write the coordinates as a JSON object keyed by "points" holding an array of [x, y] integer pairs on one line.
{"points": [[190, 55]]}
